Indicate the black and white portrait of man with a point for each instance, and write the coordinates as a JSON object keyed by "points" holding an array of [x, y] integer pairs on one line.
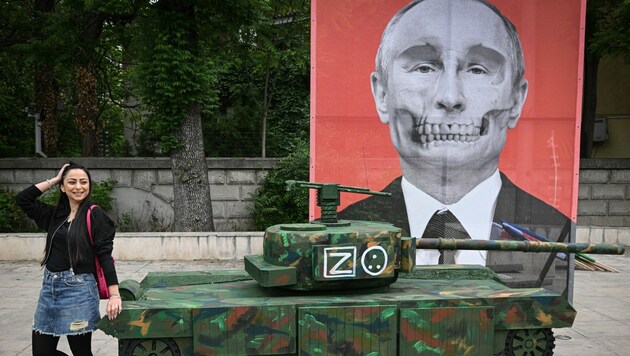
{"points": [[450, 82]]}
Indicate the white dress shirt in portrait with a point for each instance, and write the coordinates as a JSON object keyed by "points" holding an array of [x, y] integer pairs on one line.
{"points": [[474, 211]]}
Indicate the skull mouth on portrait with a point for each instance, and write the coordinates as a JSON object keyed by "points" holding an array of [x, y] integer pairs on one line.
{"points": [[426, 132]]}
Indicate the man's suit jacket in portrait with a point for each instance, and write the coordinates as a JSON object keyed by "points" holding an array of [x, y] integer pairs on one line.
{"points": [[514, 206]]}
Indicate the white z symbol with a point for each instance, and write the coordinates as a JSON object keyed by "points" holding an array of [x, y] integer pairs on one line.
{"points": [[344, 257], [339, 256]]}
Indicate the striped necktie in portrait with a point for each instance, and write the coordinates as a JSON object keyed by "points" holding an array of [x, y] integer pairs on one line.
{"points": [[444, 224]]}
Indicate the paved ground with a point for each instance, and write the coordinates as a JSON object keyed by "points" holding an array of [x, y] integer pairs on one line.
{"points": [[602, 299]]}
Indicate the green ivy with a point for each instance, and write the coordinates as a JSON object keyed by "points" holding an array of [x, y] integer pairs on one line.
{"points": [[172, 73]]}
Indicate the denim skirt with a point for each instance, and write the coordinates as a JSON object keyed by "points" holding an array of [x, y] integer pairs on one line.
{"points": [[68, 304]]}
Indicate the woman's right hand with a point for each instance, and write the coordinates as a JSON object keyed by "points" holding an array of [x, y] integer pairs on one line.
{"points": [[59, 176]]}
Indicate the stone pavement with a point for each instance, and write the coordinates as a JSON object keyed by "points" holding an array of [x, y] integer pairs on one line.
{"points": [[602, 300]]}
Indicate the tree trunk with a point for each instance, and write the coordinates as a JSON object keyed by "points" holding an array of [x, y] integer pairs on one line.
{"points": [[270, 84], [589, 105], [47, 90], [86, 116], [192, 203], [87, 113], [46, 97]]}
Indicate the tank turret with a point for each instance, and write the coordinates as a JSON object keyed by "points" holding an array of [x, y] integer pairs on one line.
{"points": [[329, 253]]}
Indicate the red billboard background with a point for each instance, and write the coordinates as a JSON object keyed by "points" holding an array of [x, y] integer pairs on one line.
{"points": [[350, 145]]}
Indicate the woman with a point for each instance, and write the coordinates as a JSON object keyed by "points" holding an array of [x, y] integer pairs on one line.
{"points": [[69, 301]]}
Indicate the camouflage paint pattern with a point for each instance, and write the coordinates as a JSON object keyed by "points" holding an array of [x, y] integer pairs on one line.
{"points": [[240, 317], [447, 331], [129, 290], [351, 330], [360, 254], [173, 279], [245, 330], [269, 275], [341, 295], [453, 272], [326, 256], [407, 254]]}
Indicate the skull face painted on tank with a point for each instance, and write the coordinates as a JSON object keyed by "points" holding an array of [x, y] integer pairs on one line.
{"points": [[449, 92]]}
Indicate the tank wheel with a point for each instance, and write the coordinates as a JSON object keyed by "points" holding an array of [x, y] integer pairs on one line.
{"points": [[149, 347], [529, 342]]}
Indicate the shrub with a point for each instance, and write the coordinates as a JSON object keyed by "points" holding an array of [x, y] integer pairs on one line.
{"points": [[12, 219], [101, 194], [273, 204]]}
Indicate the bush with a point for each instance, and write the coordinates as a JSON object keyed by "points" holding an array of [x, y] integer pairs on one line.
{"points": [[101, 195], [12, 219], [273, 204]]}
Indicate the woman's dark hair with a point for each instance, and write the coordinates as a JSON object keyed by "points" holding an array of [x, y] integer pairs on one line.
{"points": [[78, 242]]}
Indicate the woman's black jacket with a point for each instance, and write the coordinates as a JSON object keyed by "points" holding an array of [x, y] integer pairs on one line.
{"points": [[103, 232]]}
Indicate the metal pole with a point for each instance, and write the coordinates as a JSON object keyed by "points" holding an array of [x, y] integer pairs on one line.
{"points": [[31, 111], [38, 136]]}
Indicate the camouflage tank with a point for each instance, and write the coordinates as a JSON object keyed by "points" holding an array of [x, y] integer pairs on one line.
{"points": [[332, 287]]}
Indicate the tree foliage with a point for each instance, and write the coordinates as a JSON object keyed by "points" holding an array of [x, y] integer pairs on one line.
{"points": [[171, 73], [79, 63], [14, 97], [64, 61], [273, 204], [609, 32], [607, 35]]}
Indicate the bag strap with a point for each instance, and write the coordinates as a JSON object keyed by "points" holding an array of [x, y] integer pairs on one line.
{"points": [[89, 222]]}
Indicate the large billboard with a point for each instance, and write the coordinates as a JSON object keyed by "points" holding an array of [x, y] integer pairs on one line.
{"points": [[459, 106]]}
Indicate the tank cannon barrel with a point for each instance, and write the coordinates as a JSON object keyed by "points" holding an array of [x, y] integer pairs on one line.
{"points": [[524, 246]]}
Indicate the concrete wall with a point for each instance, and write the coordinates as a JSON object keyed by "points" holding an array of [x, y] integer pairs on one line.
{"points": [[604, 201], [144, 184], [604, 193], [149, 246], [144, 187]]}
